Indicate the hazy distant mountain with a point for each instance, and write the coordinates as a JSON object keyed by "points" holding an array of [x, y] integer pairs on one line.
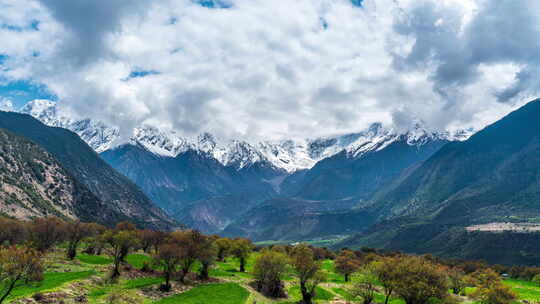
{"points": [[323, 199], [82, 163]]}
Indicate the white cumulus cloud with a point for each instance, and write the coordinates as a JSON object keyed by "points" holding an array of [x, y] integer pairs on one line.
{"points": [[277, 69]]}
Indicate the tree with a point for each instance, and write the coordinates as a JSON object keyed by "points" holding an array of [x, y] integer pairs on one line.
{"points": [[307, 270], [125, 226], [75, 232], [282, 249], [18, 265], [347, 263], [132, 230], [485, 278], [189, 242], [241, 249], [223, 246], [95, 242], [45, 232], [120, 242], [168, 257], [269, 269], [322, 253], [364, 287], [159, 239], [457, 280], [490, 289], [11, 231], [207, 255], [419, 280], [385, 270], [147, 238]]}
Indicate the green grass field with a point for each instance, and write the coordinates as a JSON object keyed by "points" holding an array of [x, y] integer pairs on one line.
{"points": [[526, 290], [138, 260], [50, 281], [230, 287], [320, 294], [100, 292], [142, 282], [93, 259], [225, 293]]}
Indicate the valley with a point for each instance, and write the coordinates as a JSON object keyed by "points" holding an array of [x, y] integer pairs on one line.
{"points": [[373, 188], [217, 270]]}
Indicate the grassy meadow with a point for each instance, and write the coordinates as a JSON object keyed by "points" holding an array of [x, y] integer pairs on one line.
{"points": [[83, 280]]}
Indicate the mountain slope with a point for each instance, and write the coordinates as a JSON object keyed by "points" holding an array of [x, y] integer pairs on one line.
{"points": [[492, 177], [294, 219], [33, 183], [359, 174], [497, 167], [175, 183], [87, 167]]}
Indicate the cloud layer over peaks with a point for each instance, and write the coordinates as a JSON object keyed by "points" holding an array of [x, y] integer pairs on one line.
{"points": [[259, 69]]}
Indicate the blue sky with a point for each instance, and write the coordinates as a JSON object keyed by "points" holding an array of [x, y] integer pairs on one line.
{"points": [[20, 92]]}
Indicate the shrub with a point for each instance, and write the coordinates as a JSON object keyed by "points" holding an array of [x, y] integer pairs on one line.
{"points": [[118, 297], [18, 264], [496, 294], [39, 297], [536, 279], [418, 280]]}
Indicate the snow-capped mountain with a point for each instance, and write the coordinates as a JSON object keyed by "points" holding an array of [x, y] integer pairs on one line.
{"points": [[198, 179], [96, 134], [288, 155]]}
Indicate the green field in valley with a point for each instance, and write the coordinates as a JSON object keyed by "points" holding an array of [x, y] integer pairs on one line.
{"points": [[85, 278]]}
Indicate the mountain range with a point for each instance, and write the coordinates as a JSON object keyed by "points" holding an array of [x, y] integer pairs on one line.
{"points": [[216, 185]]}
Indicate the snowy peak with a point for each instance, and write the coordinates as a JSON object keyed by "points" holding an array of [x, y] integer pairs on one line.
{"points": [[96, 134], [287, 155], [159, 142], [43, 110]]}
